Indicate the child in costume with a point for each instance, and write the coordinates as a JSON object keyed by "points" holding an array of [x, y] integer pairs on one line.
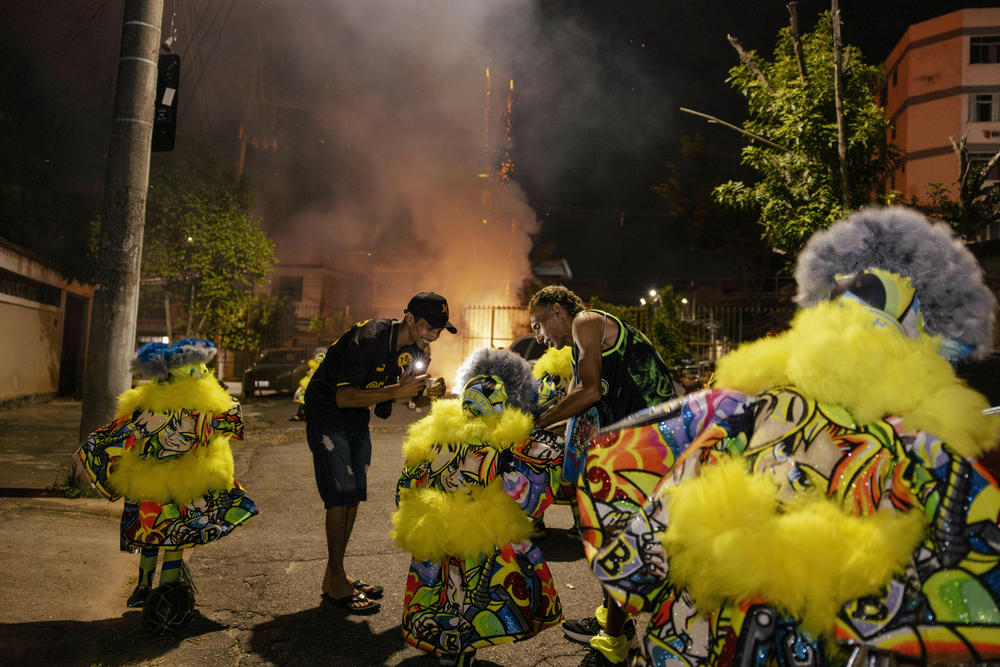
{"points": [[822, 502], [475, 473], [167, 453]]}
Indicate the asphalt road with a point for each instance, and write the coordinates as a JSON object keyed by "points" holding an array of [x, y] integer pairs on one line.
{"points": [[63, 581]]}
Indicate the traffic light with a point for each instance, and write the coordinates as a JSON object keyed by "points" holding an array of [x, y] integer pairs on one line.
{"points": [[168, 76]]}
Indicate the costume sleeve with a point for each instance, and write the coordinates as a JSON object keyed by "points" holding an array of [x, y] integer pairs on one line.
{"points": [[102, 449], [956, 573], [621, 516], [229, 422], [532, 471]]}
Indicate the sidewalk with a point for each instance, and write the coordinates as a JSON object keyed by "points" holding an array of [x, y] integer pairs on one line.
{"points": [[65, 581]]}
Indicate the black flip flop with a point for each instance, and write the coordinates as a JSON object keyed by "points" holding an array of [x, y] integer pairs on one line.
{"points": [[373, 591], [345, 604]]}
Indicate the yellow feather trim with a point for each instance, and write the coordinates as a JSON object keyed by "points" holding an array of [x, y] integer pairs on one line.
{"points": [[181, 479], [557, 362], [432, 524], [834, 354], [448, 424], [729, 540], [203, 394]]}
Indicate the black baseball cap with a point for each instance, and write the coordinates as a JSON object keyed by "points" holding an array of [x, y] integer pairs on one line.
{"points": [[433, 308]]}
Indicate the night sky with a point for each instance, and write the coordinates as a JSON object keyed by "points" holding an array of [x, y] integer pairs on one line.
{"points": [[598, 85]]}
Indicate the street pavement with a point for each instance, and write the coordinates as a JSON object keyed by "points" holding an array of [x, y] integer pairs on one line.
{"points": [[63, 580]]}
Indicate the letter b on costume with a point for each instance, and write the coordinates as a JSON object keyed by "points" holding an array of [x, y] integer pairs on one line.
{"points": [[611, 562]]}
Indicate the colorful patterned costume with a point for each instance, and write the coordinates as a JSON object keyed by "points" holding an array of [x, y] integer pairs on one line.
{"points": [[475, 472], [300, 392], [167, 453], [821, 499], [553, 372]]}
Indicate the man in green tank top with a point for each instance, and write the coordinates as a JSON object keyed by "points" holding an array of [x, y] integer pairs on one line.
{"points": [[615, 367], [618, 371]]}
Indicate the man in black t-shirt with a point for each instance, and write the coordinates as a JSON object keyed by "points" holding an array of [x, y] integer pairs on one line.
{"points": [[372, 364]]}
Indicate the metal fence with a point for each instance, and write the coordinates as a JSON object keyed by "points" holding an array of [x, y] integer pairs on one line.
{"points": [[712, 330], [716, 330], [492, 326]]}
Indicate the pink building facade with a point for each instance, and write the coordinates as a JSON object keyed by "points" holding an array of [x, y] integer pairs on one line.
{"points": [[942, 81]]}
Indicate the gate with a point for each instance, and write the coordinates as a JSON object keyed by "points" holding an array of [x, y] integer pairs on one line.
{"points": [[492, 326]]}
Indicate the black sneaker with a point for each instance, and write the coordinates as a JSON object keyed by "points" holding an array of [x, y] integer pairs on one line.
{"points": [[585, 628], [595, 658], [138, 597], [581, 630]]}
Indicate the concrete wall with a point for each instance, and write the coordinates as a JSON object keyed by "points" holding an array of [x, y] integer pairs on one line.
{"points": [[29, 355], [32, 333]]}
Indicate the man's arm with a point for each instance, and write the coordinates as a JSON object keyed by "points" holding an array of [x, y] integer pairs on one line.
{"points": [[587, 334], [408, 386]]}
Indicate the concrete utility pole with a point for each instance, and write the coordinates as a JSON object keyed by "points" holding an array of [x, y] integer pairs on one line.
{"points": [[838, 103], [116, 297]]}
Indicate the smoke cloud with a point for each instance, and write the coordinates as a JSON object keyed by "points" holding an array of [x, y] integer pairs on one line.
{"points": [[366, 127], [377, 117]]}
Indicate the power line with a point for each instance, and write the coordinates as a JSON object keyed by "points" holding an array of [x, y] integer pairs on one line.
{"points": [[214, 46], [95, 11]]}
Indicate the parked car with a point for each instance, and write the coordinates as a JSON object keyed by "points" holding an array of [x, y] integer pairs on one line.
{"points": [[528, 348], [276, 370]]}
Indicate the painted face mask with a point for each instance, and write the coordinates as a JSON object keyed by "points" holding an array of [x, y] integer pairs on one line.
{"points": [[892, 300], [483, 395], [889, 297]]}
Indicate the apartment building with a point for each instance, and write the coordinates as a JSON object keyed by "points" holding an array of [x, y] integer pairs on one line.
{"points": [[942, 82]]}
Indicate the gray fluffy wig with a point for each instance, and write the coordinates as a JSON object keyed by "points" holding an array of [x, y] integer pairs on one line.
{"points": [[515, 372], [949, 281]]}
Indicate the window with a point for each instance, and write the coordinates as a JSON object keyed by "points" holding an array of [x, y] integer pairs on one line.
{"points": [[290, 287], [895, 77], [980, 160], [984, 108], [23, 287], [984, 49]]}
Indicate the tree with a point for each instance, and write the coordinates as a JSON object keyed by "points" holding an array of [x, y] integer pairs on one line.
{"points": [[328, 329], [257, 323], [977, 204], [204, 248], [729, 237], [792, 125], [660, 320]]}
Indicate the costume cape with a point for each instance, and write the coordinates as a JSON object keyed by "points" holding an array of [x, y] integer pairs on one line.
{"points": [[167, 453], [466, 497], [823, 497]]}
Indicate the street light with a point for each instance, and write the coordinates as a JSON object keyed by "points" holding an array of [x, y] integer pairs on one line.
{"points": [[652, 292], [684, 300], [642, 301]]}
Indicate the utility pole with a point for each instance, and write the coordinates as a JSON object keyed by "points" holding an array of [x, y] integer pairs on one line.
{"points": [[838, 103], [116, 296]]}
